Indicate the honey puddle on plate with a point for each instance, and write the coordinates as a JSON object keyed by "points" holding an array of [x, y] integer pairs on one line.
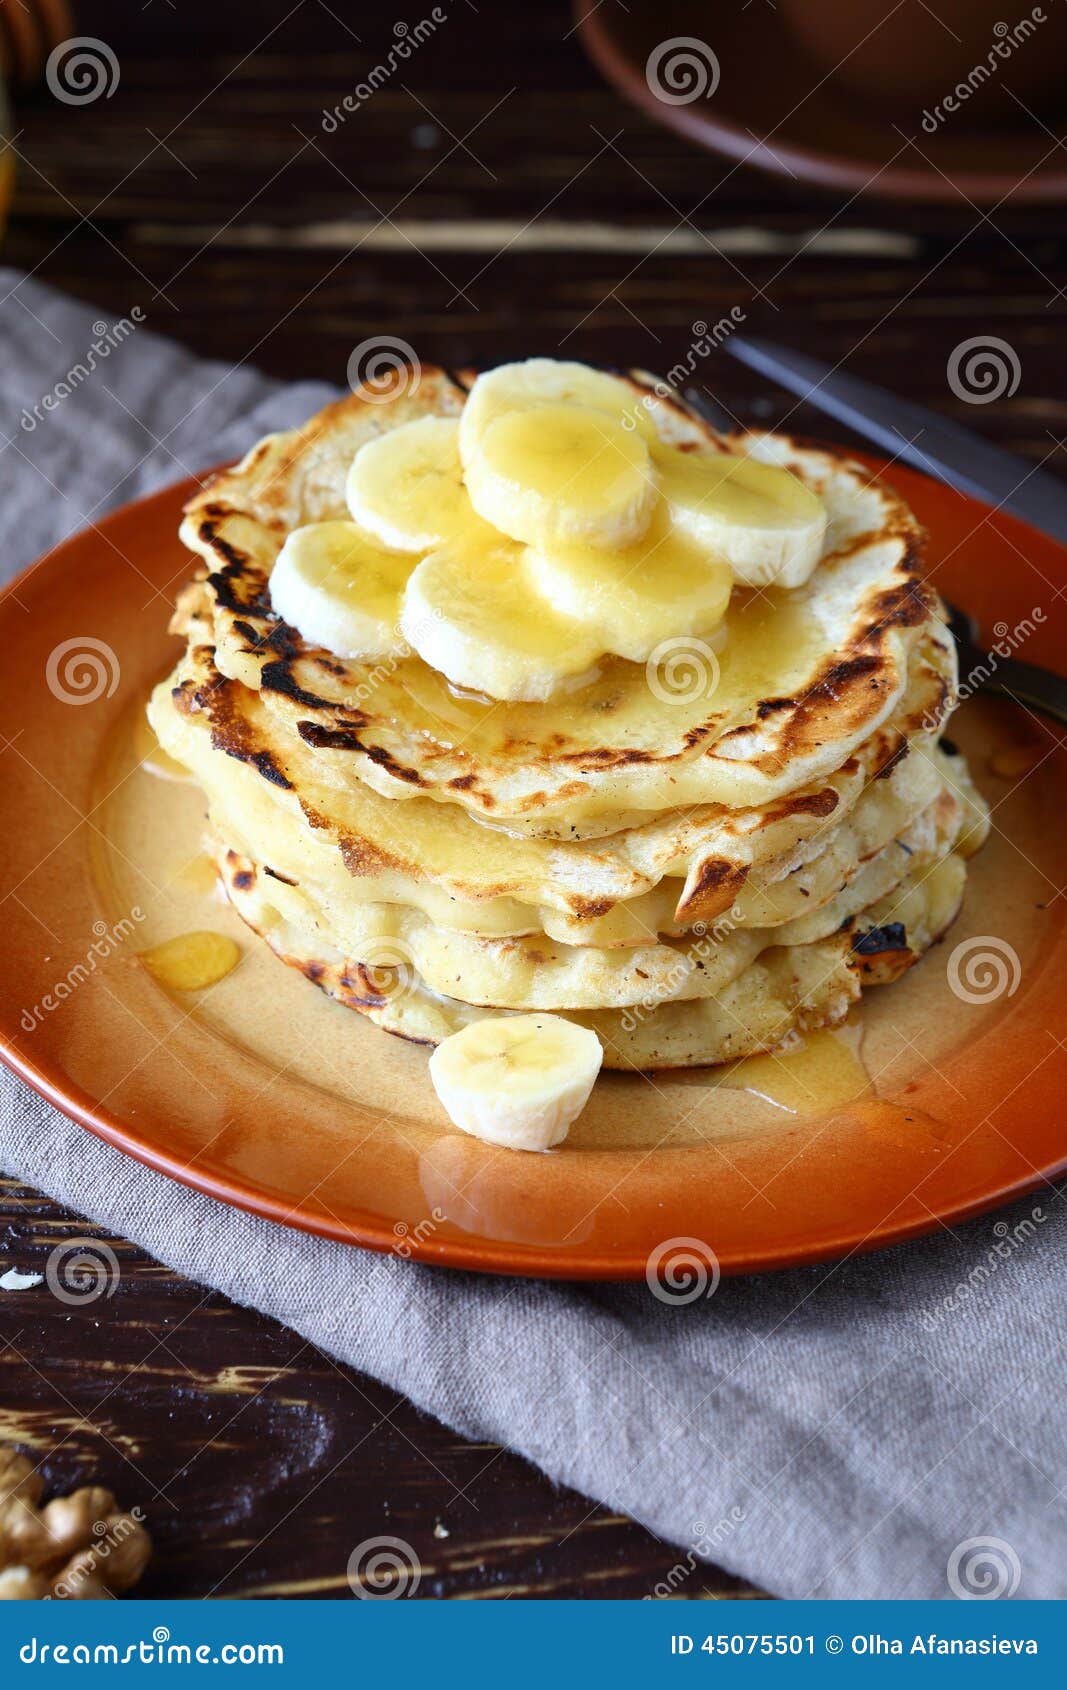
{"points": [[198, 875], [811, 1074], [191, 961], [151, 755], [187, 962], [1012, 762]]}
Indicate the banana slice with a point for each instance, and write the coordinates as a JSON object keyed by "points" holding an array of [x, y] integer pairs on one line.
{"points": [[340, 590], [479, 620], [547, 381], [768, 526], [406, 488], [517, 1080], [563, 473], [661, 586]]}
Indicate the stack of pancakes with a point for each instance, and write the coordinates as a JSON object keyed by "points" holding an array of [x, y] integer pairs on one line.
{"points": [[697, 857]]}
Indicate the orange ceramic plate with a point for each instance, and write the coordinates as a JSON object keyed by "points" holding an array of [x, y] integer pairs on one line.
{"points": [[264, 1094]]}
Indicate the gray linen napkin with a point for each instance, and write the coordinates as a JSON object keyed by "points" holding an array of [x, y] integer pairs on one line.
{"points": [[833, 1431]]}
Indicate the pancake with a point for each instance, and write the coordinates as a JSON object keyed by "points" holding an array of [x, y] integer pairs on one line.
{"points": [[534, 973], [786, 990], [802, 680], [269, 796]]}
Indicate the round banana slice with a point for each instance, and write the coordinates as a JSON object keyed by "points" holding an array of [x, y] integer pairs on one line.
{"points": [[517, 1080], [768, 526], [477, 618], [340, 590], [661, 586], [406, 488], [548, 381], [563, 473]]}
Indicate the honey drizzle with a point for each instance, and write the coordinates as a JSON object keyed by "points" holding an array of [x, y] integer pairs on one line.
{"points": [[151, 755], [814, 1072], [765, 646], [198, 874], [1012, 762], [191, 961]]}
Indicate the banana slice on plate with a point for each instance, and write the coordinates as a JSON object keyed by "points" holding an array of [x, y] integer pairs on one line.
{"points": [[517, 1080], [661, 586], [406, 488], [563, 473], [548, 381], [763, 520], [477, 618], [340, 590]]}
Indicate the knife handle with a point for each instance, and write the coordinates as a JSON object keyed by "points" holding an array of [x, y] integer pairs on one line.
{"points": [[1031, 685]]}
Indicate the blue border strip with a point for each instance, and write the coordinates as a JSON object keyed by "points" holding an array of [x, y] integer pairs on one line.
{"points": [[514, 1644]]}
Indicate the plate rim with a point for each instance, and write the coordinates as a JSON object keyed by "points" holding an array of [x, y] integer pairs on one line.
{"points": [[366, 1230], [519, 1260]]}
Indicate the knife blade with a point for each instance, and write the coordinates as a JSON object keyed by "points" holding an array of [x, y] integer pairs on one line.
{"points": [[1028, 684], [914, 435]]}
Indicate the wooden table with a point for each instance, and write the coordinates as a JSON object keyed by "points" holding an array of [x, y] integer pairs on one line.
{"points": [[491, 199]]}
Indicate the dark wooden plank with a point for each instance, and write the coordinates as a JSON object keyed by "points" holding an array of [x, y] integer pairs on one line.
{"points": [[463, 205], [261, 1463]]}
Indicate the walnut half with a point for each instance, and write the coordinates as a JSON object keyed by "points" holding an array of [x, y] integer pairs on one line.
{"points": [[76, 1547]]}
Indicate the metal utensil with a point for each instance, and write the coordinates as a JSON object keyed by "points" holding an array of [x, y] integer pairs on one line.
{"points": [[989, 672], [914, 435], [1027, 683]]}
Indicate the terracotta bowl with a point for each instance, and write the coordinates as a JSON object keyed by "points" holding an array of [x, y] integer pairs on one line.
{"points": [[758, 91]]}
